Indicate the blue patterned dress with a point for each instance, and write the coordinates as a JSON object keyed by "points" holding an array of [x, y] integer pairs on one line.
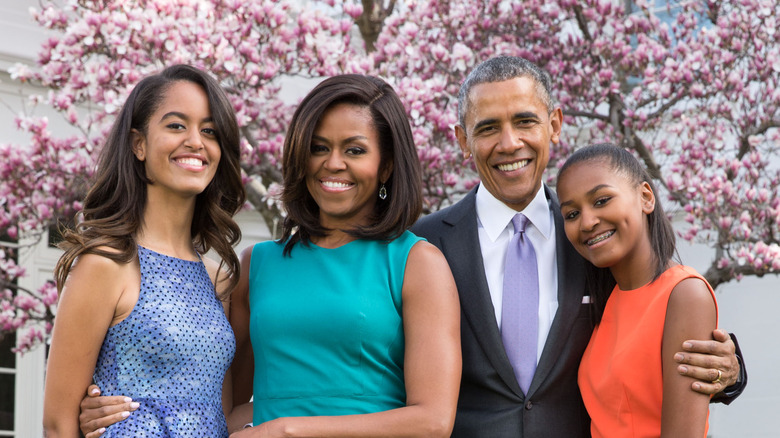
{"points": [[170, 354]]}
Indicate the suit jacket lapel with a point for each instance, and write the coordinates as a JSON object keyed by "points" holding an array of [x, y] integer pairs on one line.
{"points": [[570, 291], [460, 243]]}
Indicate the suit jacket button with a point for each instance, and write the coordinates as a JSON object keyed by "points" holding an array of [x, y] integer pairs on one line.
{"points": [[529, 405]]}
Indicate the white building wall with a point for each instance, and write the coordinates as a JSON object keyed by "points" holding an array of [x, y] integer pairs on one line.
{"points": [[749, 309]]}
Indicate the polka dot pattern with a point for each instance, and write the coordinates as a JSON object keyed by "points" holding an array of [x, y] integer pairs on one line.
{"points": [[170, 354]]}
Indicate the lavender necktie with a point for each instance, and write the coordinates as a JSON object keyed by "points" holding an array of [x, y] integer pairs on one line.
{"points": [[520, 304]]}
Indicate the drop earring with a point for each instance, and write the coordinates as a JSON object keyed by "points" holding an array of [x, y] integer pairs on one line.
{"points": [[382, 192]]}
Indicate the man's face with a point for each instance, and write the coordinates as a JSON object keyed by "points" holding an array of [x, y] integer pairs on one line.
{"points": [[508, 132]]}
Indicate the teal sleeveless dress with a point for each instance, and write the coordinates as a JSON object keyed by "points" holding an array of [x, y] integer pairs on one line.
{"points": [[326, 328]]}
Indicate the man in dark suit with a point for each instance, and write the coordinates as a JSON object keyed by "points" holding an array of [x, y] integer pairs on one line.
{"points": [[507, 122]]}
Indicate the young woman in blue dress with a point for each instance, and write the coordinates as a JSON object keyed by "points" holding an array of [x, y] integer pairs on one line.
{"points": [[137, 297]]}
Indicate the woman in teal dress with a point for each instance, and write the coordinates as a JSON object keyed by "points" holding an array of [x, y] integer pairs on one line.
{"points": [[349, 324]]}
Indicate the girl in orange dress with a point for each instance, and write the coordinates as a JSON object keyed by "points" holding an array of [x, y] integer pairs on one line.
{"points": [[646, 304]]}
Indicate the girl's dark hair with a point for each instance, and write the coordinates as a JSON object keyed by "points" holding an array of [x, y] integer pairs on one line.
{"points": [[114, 205], [391, 216], [599, 281]]}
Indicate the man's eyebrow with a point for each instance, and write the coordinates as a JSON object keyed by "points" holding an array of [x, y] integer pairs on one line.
{"points": [[484, 122], [520, 115], [589, 193], [525, 115]]}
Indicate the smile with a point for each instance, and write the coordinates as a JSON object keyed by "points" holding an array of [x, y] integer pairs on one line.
{"points": [[600, 238], [336, 184], [512, 166], [189, 161]]}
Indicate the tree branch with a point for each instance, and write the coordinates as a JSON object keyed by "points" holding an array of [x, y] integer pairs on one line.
{"points": [[744, 142], [716, 276], [586, 114], [372, 20], [582, 22]]}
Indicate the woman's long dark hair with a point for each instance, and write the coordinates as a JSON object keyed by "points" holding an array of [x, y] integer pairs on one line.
{"points": [[114, 205], [391, 216], [599, 281]]}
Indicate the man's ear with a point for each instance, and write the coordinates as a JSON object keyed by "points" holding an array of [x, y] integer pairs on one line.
{"points": [[139, 144], [556, 123], [460, 134], [647, 198]]}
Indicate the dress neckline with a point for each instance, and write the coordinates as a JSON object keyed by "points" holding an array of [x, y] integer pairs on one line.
{"points": [[200, 260]]}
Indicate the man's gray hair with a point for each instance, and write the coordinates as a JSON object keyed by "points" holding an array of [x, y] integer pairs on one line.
{"points": [[504, 68]]}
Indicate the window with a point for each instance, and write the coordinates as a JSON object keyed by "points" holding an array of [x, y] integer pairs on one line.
{"points": [[7, 385]]}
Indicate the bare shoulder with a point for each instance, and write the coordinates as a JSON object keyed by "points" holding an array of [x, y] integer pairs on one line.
{"points": [[241, 291], [212, 266], [218, 275], [691, 312], [246, 256], [100, 280], [425, 253], [690, 292], [98, 267], [427, 270]]}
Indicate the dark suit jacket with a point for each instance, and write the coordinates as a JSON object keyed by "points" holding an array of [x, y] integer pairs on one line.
{"points": [[491, 403]]}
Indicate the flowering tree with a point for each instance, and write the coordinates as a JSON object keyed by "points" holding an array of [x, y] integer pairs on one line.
{"points": [[692, 89], [100, 49]]}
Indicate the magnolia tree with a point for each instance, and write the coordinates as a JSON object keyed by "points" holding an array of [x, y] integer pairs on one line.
{"points": [[693, 90], [98, 50]]}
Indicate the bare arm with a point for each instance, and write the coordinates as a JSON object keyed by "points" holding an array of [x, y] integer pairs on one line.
{"points": [[691, 313], [212, 267], [432, 364], [86, 309], [243, 367]]}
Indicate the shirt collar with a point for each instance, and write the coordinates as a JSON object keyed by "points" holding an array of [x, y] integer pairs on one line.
{"points": [[495, 216]]}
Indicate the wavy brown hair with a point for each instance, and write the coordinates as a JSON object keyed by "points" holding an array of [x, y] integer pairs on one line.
{"points": [[391, 216], [114, 205]]}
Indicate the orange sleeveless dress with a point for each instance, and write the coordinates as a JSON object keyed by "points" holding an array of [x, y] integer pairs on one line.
{"points": [[620, 376]]}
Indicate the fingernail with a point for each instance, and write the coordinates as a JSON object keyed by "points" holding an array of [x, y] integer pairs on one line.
{"points": [[678, 357], [125, 414], [687, 345], [128, 400], [101, 430], [95, 391], [134, 405], [683, 369], [697, 385]]}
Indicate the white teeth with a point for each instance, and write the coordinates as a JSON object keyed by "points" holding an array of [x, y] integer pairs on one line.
{"points": [[190, 161], [512, 166], [598, 239], [335, 184]]}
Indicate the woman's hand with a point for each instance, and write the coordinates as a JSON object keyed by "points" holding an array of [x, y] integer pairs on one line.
{"points": [[269, 429], [98, 412]]}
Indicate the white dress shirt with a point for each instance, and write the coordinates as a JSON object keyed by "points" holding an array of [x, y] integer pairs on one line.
{"points": [[495, 230]]}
